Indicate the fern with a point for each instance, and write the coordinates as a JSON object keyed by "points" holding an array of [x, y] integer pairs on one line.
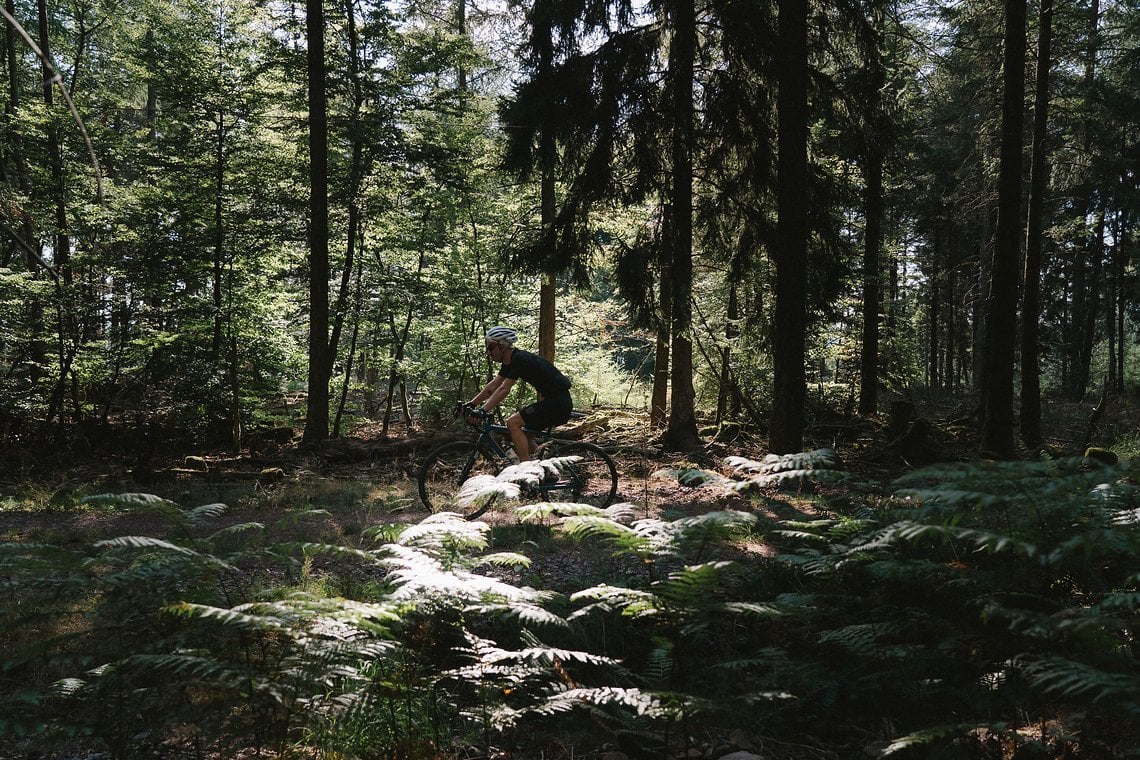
{"points": [[1076, 680], [774, 471]]}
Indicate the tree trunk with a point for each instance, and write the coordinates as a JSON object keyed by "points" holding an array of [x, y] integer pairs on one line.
{"points": [[219, 229], [1086, 334], [681, 433], [933, 376], [1122, 245], [350, 353], [317, 404], [547, 314], [789, 389], [726, 392], [659, 404], [356, 172], [1084, 295], [1031, 279], [997, 424], [873, 234]]}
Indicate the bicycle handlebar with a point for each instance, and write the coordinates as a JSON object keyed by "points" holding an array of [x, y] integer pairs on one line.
{"points": [[470, 413]]}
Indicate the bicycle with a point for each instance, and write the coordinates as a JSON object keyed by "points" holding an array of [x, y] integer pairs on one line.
{"points": [[590, 479]]}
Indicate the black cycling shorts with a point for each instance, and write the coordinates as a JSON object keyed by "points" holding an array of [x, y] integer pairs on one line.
{"points": [[548, 412]]}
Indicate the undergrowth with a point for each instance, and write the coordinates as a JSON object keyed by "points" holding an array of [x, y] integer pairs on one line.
{"points": [[971, 610]]}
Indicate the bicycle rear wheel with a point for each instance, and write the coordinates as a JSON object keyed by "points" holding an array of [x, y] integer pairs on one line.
{"points": [[444, 471], [591, 480]]}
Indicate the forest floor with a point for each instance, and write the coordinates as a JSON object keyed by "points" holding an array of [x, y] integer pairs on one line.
{"points": [[367, 478]]}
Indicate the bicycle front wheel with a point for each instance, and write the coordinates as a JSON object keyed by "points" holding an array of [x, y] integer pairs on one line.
{"points": [[590, 480], [444, 471]]}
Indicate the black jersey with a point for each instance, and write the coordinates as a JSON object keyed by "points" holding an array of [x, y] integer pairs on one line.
{"points": [[537, 371]]}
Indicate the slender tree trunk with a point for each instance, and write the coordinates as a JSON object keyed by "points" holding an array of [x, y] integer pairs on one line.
{"points": [[317, 410], [1121, 262], [356, 171], [400, 343], [62, 252], [1031, 280], [933, 376], [872, 299], [985, 268], [681, 433], [151, 92], [357, 306], [997, 424], [659, 404], [786, 428], [67, 309], [547, 314], [948, 365], [731, 332], [1084, 295], [219, 229], [1086, 336]]}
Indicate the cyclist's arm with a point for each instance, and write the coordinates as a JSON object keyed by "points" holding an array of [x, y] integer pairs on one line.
{"points": [[493, 392]]}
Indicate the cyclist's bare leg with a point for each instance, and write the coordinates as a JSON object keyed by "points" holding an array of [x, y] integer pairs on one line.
{"points": [[522, 443]]}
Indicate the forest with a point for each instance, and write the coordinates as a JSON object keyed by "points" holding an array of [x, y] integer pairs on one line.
{"points": [[846, 290]]}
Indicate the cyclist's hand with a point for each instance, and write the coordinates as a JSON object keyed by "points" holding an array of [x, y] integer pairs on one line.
{"points": [[473, 415]]}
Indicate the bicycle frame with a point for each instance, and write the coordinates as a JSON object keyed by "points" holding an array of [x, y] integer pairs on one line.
{"points": [[488, 452], [489, 429]]}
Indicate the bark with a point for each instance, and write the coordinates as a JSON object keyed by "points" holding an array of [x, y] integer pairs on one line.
{"points": [[547, 313], [659, 404], [219, 228], [681, 433], [1084, 274], [356, 172], [789, 381], [873, 209], [1030, 422], [997, 423], [317, 410], [727, 392]]}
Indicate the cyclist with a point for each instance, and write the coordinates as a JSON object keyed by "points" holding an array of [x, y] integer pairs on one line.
{"points": [[553, 406]]}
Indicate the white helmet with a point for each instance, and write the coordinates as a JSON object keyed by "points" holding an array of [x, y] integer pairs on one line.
{"points": [[504, 336]]}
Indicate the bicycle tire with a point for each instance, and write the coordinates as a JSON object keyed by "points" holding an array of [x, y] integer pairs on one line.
{"points": [[593, 479], [443, 472]]}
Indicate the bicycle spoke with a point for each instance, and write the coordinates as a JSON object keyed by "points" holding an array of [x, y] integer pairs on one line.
{"points": [[592, 479], [444, 471]]}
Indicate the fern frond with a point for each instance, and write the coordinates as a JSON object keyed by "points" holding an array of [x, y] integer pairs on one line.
{"points": [[193, 666], [694, 586], [129, 501], [200, 514], [312, 549], [584, 526], [819, 459], [526, 613], [924, 737], [695, 477], [753, 608], [861, 639], [725, 523], [1056, 675], [148, 543], [548, 656], [229, 618], [416, 575], [482, 489], [231, 530], [642, 703], [605, 597], [544, 510], [503, 559], [446, 532]]}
